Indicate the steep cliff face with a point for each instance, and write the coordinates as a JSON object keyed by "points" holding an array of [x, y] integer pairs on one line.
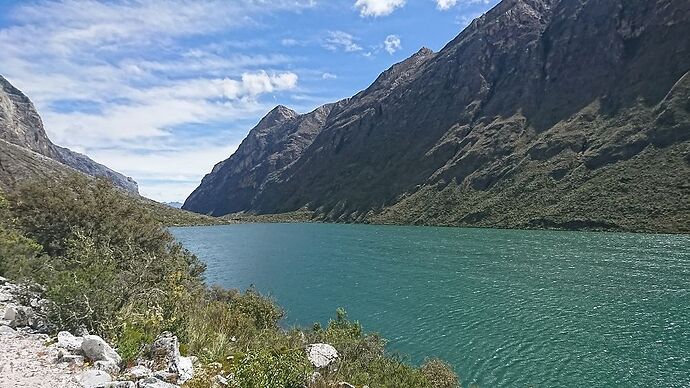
{"points": [[565, 113], [21, 125], [278, 140]]}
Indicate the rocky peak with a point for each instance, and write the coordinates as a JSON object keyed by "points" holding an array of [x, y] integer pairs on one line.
{"points": [[21, 125], [277, 115]]}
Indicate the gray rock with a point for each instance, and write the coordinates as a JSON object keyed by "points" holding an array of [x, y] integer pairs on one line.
{"points": [[321, 355], [10, 315], [69, 342], [220, 380], [21, 125], [94, 378], [345, 385], [107, 366], [152, 382], [6, 330], [71, 359], [120, 384], [165, 375], [96, 349], [137, 372], [165, 353]]}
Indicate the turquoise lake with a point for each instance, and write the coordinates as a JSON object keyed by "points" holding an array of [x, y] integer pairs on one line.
{"points": [[507, 308]]}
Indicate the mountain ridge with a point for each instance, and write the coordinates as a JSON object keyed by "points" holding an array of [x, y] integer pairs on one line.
{"points": [[21, 125], [532, 102]]}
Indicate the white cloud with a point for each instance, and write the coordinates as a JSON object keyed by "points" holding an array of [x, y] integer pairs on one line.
{"points": [[392, 44], [328, 76], [378, 7], [339, 40], [445, 4], [124, 61]]}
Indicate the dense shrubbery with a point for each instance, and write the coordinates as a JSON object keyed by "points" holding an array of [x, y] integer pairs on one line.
{"points": [[111, 268]]}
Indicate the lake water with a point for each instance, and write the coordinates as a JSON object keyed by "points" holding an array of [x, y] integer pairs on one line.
{"points": [[507, 308]]}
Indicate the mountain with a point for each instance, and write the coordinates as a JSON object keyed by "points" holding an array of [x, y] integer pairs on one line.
{"points": [[21, 125], [278, 140], [542, 113]]}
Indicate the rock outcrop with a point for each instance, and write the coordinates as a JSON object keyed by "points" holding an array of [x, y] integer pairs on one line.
{"points": [[21, 125], [541, 113], [321, 355]]}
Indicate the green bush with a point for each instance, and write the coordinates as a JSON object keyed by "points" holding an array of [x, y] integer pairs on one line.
{"points": [[439, 374], [271, 368]]}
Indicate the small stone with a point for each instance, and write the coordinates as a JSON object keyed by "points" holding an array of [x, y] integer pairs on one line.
{"points": [[138, 372], [69, 342], [185, 370], [10, 314], [220, 380], [165, 375], [94, 378], [152, 382], [345, 385], [107, 366], [71, 359], [120, 384], [4, 329]]}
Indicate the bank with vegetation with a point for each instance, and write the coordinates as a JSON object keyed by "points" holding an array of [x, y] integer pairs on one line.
{"points": [[108, 266]]}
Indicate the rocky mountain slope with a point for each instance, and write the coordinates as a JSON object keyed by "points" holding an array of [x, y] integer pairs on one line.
{"points": [[21, 125], [541, 113]]}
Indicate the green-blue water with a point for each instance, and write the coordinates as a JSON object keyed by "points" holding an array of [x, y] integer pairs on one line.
{"points": [[506, 307]]}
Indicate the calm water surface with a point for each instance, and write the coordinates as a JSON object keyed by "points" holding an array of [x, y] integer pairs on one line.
{"points": [[507, 308]]}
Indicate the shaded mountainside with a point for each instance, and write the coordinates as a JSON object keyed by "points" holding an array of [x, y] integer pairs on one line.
{"points": [[278, 140], [21, 125], [542, 113]]}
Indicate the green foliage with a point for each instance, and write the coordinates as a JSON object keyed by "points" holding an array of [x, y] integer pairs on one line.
{"points": [[16, 251], [107, 260], [439, 374], [271, 368], [363, 358]]}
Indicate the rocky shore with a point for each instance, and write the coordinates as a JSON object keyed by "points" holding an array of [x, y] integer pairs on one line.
{"points": [[29, 357]]}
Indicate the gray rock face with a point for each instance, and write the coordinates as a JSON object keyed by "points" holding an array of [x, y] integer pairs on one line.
{"points": [[277, 141], [163, 357], [21, 125], [540, 113]]}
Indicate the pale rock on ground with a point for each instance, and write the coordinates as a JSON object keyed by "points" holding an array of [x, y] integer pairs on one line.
{"points": [[321, 355]]}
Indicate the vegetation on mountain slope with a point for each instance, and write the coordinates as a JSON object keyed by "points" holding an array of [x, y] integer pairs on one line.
{"points": [[109, 266]]}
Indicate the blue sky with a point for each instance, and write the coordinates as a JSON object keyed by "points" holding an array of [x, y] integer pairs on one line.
{"points": [[162, 90]]}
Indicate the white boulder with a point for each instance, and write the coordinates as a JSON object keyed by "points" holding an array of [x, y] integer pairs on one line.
{"points": [[321, 355], [94, 378], [65, 340], [96, 349]]}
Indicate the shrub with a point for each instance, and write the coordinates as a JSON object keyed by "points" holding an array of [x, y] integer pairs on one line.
{"points": [[107, 261], [439, 374], [276, 368]]}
